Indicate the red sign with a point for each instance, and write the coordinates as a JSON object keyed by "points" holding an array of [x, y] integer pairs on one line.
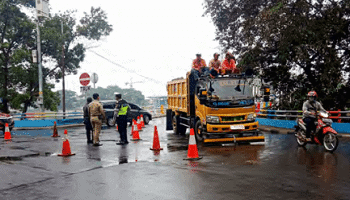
{"points": [[84, 79]]}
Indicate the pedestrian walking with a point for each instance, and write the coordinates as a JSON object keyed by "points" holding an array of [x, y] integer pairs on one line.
{"points": [[96, 115], [87, 121], [123, 109]]}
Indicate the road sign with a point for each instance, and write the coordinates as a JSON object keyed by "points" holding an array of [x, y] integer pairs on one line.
{"points": [[94, 78], [85, 88], [42, 8], [84, 79]]}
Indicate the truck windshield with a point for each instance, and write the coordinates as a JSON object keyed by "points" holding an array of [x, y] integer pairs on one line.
{"points": [[231, 89]]}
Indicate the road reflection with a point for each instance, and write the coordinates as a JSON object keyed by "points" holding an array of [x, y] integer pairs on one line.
{"points": [[123, 154], [235, 155]]}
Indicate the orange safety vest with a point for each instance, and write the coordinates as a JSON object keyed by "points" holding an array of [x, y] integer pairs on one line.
{"points": [[198, 64]]}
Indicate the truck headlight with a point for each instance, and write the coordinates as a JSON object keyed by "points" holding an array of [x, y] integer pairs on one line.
{"points": [[251, 117], [213, 119]]}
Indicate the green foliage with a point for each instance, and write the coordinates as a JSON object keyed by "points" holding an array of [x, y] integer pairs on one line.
{"points": [[131, 95], [19, 76], [299, 45]]}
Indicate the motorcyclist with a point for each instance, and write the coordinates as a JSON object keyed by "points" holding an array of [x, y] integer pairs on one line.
{"points": [[310, 109]]}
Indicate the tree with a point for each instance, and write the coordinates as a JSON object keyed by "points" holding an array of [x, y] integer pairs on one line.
{"points": [[72, 101], [66, 49], [300, 45], [131, 95], [18, 78]]}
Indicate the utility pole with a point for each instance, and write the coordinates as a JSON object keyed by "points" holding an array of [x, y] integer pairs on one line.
{"points": [[63, 85], [42, 9], [40, 72]]}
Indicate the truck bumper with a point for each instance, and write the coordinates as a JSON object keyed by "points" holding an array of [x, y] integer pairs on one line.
{"points": [[224, 133]]}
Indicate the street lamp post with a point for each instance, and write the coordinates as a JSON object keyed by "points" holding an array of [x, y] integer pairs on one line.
{"points": [[42, 9]]}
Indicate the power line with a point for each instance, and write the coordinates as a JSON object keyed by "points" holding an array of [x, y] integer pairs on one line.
{"points": [[128, 70]]}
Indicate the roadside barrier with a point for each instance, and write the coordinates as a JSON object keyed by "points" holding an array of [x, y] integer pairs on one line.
{"points": [[135, 132], [55, 133], [66, 146], [7, 134], [139, 126], [192, 153], [156, 144]]}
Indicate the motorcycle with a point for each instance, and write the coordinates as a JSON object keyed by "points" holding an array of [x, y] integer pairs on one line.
{"points": [[323, 135]]}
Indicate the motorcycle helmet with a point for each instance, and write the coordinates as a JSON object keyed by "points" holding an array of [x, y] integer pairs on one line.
{"points": [[312, 96]]}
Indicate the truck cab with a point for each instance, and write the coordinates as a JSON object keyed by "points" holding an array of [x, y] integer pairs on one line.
{"points": [[219, 109]]}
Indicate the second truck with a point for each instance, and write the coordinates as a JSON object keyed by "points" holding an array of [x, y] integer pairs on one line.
{"points": [[220, 109]]}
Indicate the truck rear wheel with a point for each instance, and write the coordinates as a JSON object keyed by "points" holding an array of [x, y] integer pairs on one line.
{"points": [[177, 127], [198, 131]]}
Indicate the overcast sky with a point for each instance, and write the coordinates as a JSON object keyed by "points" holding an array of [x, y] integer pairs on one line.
{"points": [[156, 38]]}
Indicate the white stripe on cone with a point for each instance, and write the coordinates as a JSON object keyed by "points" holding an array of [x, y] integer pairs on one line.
{"points": [[7, 128], [192, 140]]}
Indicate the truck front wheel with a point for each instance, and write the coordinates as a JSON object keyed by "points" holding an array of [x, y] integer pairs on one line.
{"points": [[198, 129]]}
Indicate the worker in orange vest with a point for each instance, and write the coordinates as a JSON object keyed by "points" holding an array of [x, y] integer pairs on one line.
{"points": [[199, 66], [228, 66], [214, 66]]}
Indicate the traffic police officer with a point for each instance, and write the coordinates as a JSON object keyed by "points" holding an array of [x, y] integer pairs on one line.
{"points": [[122, 109], [96, 116]]}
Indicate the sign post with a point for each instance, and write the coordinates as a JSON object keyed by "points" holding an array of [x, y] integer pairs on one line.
{"points": [[84, 80], [94, 79]]}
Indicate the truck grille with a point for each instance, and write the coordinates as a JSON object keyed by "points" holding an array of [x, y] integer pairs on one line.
{"points": [[232, 119]]}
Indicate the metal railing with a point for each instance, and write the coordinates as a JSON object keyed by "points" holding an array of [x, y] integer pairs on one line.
{"points": [[337, 116], [48, 115]]}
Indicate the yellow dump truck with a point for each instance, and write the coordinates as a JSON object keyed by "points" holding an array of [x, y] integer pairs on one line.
{"points": [[220, 109]]}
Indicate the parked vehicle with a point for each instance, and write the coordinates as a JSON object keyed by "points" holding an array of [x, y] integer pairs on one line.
{"points": [[5, 118], [135, 110], [219, 109], [323, 135]]}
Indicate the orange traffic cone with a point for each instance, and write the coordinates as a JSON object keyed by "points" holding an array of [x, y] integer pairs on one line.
{"points": [[135, 133], [142, 122], [116, 127], [7, 135], [55, 134], [192, 148], [66, 146], [156, 145], [139, 126]]}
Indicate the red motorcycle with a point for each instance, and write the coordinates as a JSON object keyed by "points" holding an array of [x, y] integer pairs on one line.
{"points": [[323, 135]]}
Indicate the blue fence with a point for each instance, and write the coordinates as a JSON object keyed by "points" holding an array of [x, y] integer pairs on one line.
{"points": [[46, 122]]}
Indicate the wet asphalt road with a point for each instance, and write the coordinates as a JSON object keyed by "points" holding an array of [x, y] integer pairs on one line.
{"points": [[277, 169]]}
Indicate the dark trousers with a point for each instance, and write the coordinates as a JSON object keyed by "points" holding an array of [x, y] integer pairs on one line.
{"points": [[310, 125], [122, 124], [88, 128]]}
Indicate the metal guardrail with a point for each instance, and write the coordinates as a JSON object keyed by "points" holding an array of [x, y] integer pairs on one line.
{"points": [[48, 115], [336, 115]]}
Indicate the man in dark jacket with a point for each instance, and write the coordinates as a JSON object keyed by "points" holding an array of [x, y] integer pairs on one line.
{"points": [[87, 121], [123, 109]]}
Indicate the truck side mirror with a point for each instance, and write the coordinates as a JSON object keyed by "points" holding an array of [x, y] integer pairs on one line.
{"points": [[202, 95]]}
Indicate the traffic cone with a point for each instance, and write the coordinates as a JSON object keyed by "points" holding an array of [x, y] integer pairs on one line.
{"points": [[135, 133], [55, 134], [156, 145], [7, 135], [66, 146], [116, 127], [142, 122], [192, 148], [139, 126]]}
